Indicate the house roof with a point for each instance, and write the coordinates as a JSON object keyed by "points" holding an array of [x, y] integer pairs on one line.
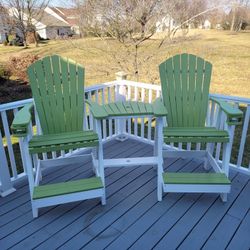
{"points": [[70, 15], [50, 20]]}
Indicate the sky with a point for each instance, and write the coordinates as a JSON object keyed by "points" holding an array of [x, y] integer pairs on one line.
{"points": [[63, 3]]}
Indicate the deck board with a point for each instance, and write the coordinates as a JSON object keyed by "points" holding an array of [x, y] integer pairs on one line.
{"points": [[132, 217]]}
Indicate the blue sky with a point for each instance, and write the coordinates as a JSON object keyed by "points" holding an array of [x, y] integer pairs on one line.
{"points": [[60, 3]]}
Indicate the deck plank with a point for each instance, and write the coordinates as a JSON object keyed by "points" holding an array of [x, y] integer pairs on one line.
{"points": [[55, 177], [47, 218], [132, 217], [241, 239], [231, 221], [205, 227], [139, 210]]}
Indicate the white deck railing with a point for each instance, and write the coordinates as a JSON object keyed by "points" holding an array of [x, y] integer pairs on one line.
{"points": [[12, 166]]}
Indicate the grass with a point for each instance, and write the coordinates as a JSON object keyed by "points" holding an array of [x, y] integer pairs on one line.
{"points": [[228, 52]]}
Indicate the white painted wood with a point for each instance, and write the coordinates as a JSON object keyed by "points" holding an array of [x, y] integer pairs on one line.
{"points": [[213, 163], [9, 144], [195, 188], [61, 199], [90, 115], [184, 154], [243, 136], [38, 174], [6, 186], [130, 162], [104, 122], [110, 121], [158, 153]]}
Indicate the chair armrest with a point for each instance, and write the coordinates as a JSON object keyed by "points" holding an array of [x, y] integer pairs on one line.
{"points": [[234, 115], [97, 110], [19, 126], [159, 108]]}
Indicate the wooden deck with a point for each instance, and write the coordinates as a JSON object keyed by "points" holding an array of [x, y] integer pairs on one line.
{"points": [[132, 217]]}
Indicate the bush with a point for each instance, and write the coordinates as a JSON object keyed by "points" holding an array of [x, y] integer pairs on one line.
{"points": [[18, 65], [4, 72]]}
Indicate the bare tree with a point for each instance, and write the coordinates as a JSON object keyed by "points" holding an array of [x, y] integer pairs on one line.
{"points": [[27, 14], [237, 13], [133, 24]]}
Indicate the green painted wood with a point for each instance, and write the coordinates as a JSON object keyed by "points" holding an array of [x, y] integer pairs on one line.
{"points": [[114, 108], [171, 89], [234, 115], [194, 132], [158, 108], [37, 97], [165, 89], [57, 86], [66, 93], [58, 92], [149, 108], [63, 141], [109, 111], [206, 85], [19, 126], [129, 108], [134, 106], [98, 111], [48, 77], [197, 134], [178, 89], [63, 138], [41, 84], [185, 81], [198, 91], [70, 187], [120, 107], [142, 108], [196, 178], [191, 89]]}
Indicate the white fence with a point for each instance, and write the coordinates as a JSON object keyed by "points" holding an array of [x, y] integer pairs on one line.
{"points": [[12, 169]]}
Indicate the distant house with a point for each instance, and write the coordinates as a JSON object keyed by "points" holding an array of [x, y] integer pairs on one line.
{"points": [[166, 23], [48, 26], [4, 26], [207, 24], [68, 15]]}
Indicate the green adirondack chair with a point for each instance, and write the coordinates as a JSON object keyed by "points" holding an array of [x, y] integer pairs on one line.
{"points": [[185, 81], [57, 88]]}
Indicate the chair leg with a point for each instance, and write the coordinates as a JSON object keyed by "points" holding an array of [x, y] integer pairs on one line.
{"points": [[101, 162], [34, 211], [156, 150], [223, 197], [206, 165], [225, 164], [158, 153]]}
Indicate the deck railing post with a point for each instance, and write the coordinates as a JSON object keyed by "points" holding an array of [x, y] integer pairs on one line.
{"points": [[120, 95], [6, 184]]}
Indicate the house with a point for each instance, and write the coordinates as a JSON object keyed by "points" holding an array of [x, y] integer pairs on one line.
{"points": [[166, 23], [68, 15], [4, 24], [51, 27], [47, 26], [207, 24]]}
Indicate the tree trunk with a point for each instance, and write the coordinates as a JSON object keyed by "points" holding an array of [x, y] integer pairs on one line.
{"points": [[35, 38], [233, 18]]}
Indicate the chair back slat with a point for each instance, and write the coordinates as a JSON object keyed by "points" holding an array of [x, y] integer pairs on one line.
{"points": [[185, 81], [57, 87]]}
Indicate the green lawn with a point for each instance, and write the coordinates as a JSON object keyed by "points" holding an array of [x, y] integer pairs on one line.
{"points": [[228, 52]]}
